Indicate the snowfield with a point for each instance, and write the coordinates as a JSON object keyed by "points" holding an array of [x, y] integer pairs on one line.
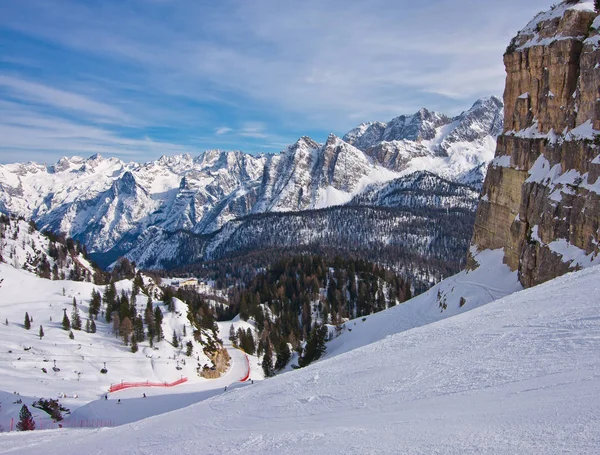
{"points": [[517, 376], [79, 383]]}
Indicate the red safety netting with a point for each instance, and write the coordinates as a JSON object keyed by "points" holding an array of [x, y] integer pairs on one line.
{"points": [[245, 378], [129, 385]]}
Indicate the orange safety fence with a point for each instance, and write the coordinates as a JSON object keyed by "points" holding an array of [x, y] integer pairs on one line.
{"points": [[129, 385]]}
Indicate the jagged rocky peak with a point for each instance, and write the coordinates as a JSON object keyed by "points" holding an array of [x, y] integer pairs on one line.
{"points": [[541, 195], [417, 127], [485, 118], [126, 184]]}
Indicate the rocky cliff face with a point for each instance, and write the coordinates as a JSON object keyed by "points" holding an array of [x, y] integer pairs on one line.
{"points": [[541, 195]]}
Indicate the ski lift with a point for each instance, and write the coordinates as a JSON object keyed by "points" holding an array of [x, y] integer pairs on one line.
{"points": [[55, 368], [104, 370]]}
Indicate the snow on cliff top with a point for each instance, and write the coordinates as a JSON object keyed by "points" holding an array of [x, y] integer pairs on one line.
{"points": [[557, 11]]}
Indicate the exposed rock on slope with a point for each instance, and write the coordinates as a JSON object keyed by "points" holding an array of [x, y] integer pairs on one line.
{"points": [[541, 196], [450, 147]]}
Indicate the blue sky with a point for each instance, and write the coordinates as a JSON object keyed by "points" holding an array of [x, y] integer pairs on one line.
{"points": [[141, 78]]}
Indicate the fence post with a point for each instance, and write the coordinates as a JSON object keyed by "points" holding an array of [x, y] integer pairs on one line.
{"points": [[12, 422]]}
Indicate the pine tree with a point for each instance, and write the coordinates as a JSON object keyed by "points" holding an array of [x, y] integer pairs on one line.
{"points": [[175, 342], [92, 327], [26, 422], [232, 335], [109, 298], [248, 342], [66, 323], [158, 317], [267, 362], [27, 321], [87, 326], [75, 318], [315, 346], [189, 348], [95, 303], [134, 344], [41, 333], [597, 5], [71, 335], [283, 355]]}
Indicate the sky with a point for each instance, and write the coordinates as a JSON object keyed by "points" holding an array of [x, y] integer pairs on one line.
{"points": [[138, 79]]}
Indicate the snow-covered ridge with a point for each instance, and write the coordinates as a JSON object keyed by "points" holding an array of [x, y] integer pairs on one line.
{"points": [[108, 203], [433, 142]]}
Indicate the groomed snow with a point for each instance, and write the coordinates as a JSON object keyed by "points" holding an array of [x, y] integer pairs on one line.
{"points": [[520, 375]]}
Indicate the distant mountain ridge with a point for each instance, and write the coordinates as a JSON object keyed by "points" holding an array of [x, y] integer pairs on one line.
{"points": [[108, 204]]}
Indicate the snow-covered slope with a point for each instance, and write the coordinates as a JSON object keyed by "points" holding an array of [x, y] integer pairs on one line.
{"points": [[429, 141], [308, 175], [421, 189], [107, 203], [519, 375]]}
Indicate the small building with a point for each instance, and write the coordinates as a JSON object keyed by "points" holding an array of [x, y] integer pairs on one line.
{"points": [[189, 282]]}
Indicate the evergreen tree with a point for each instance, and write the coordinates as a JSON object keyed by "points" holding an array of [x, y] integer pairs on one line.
{"points": [[134, 344], [87, 326], [189, 348], [138, 328], [597, 5], [232, 335], [175, 342], [92, 327], [26, 422], [27, 321], [283, 355], [248, 342], [75, 318], [71, 335], [66, 323], [41, 333], [95, 303], [158, 317], [315, 346], [267, 362], [109, 298]]}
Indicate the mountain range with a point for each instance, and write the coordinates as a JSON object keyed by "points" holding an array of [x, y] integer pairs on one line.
{"points": [[113, 207]]}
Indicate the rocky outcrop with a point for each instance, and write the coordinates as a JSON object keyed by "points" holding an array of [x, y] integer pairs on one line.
{"points": [[541, 195]]}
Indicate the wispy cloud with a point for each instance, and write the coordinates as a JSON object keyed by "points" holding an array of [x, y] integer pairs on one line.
{"points": [[32, 92], [184, 68]]}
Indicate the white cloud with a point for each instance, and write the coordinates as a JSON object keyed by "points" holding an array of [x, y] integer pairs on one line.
{"points": [[42, 94], [305, 65]]}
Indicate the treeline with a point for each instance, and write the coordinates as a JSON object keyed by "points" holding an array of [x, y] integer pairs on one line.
{"points": [[296, 296], [135, 326], [423, 245], [59, 261]]}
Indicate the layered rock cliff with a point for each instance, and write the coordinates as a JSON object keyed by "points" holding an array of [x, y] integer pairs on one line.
{"points": [[541, 195]]}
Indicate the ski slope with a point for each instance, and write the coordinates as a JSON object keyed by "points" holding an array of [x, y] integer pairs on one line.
{"points": [[519, 375], [78, 383]]}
